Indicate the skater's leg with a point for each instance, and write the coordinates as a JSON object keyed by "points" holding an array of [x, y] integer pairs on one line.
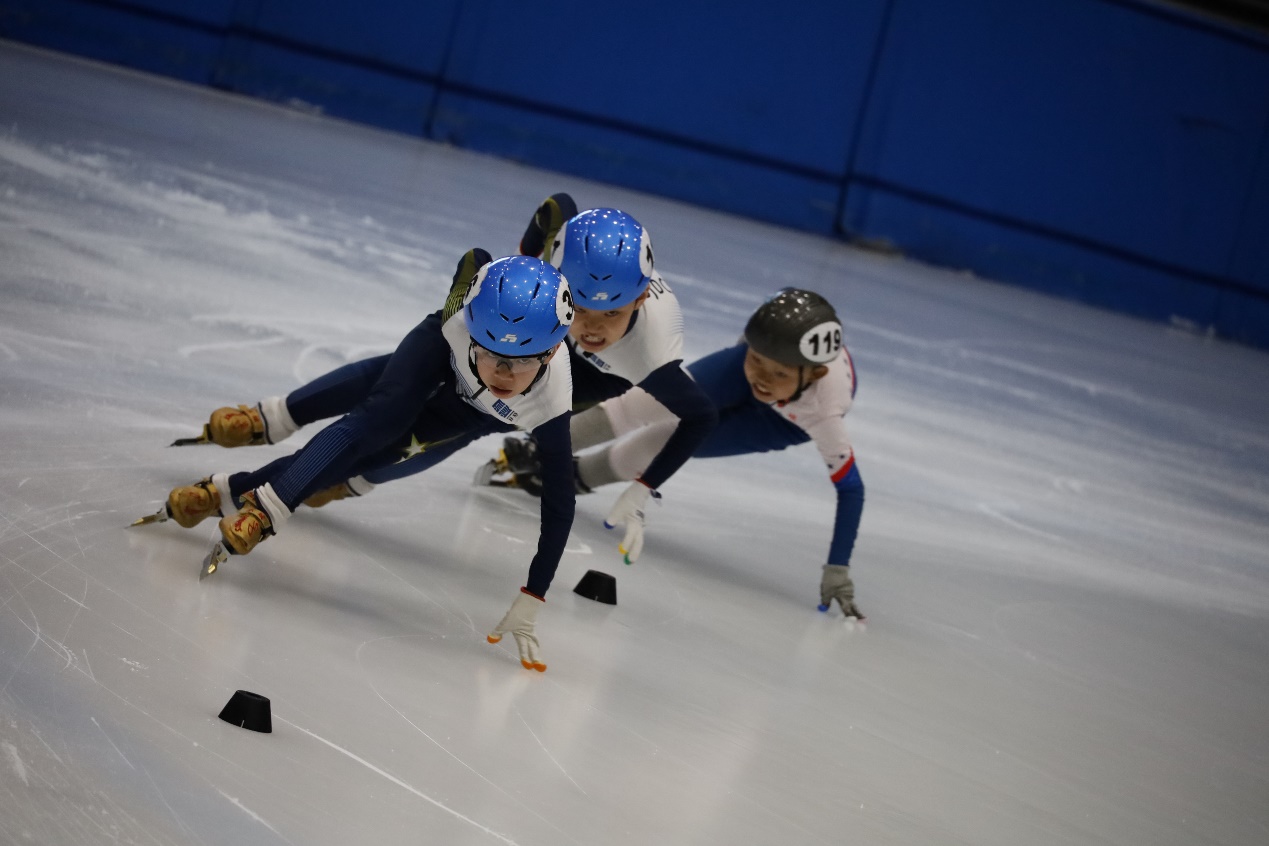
{"points": [[423, 457], [337, 392], [274, 419]]}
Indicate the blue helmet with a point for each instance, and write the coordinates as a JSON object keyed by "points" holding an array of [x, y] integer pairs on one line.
{"points": [[606, 256], [518, 306]]}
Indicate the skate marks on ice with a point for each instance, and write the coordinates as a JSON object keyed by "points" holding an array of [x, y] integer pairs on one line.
{"points": [[379, 671], [996, 512], [398, 782]]}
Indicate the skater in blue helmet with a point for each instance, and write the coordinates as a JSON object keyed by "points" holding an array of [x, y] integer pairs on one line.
{"points": [[487, 362]]}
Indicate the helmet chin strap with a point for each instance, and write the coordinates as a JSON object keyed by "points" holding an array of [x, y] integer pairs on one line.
{"points": [[541, 372], [475, 371], [802, 386]]}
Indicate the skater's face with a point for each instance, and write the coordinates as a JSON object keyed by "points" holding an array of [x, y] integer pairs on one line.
{"points": [[597, 330], [505, 377], [772, 381]]}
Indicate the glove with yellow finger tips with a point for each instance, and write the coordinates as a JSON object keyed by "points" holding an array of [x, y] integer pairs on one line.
{"points": [[628, 511]]}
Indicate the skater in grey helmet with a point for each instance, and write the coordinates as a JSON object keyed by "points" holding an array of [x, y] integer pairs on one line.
{"points": [[790, 380]]}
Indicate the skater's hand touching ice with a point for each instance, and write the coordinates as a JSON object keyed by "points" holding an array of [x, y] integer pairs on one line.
{"points": [[628, 511], [836, 584], [520, 620]]}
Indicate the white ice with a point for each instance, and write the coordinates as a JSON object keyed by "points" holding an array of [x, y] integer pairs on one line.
{"points": [[1063, 553]]}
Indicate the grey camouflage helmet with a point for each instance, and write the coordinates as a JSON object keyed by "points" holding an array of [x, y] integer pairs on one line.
{"points": [[795, 327]]}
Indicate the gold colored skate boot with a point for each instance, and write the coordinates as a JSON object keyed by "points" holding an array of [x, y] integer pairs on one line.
{"points": [[328, 495], [192, 504], [245, 530], [235, 427]]}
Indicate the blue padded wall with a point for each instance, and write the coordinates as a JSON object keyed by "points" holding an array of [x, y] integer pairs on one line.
{"points": [[375, 62], [1059, 128], [684, 99], [177, 38]]}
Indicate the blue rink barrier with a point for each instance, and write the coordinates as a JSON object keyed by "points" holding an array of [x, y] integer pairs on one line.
{"points": [[1111, 151]]}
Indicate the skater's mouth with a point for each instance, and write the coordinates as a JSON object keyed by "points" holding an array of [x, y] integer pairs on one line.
{"points": [[501, 393], [592, 342]]}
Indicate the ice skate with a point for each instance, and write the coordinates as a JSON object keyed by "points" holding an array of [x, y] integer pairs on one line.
{"points": [[486, 473], [188, 505], [517, 466], [213, 560], [494, 473], [328, 495], [546, 222], [244, 531], [230, 427]]}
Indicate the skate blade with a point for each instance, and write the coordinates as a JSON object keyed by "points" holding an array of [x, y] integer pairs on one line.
{"points": [[486, 480], [203, 437], [159, 516], [213, 561], [485, 473]]}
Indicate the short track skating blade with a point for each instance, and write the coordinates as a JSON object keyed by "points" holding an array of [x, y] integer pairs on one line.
{"points": [[159, 516], [213, 561]]}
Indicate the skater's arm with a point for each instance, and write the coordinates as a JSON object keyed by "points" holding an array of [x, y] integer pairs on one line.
{"points": [[833, 442], [850, 507], [671, 386], [558, 501]]}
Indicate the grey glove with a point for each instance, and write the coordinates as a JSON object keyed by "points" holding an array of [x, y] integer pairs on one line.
{"points": [[836, 584]]}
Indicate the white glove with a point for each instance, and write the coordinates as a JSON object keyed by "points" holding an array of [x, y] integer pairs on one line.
{"points": [[520, 621], [628, 511]]}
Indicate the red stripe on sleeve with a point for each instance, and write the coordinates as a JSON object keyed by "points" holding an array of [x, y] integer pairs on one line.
{"points": [[843, 470]]}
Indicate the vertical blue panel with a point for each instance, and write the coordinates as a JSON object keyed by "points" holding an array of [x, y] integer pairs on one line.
{"points": [[647, 164], [404, 34], [777, 83], [1249, 263], [211, 13], [1089, 118], [996, 250], [348, 91], [167, 45], [1244, 318]]}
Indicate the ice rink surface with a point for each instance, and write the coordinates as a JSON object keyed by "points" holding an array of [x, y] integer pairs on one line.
{"points": [[1063, 554]]}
